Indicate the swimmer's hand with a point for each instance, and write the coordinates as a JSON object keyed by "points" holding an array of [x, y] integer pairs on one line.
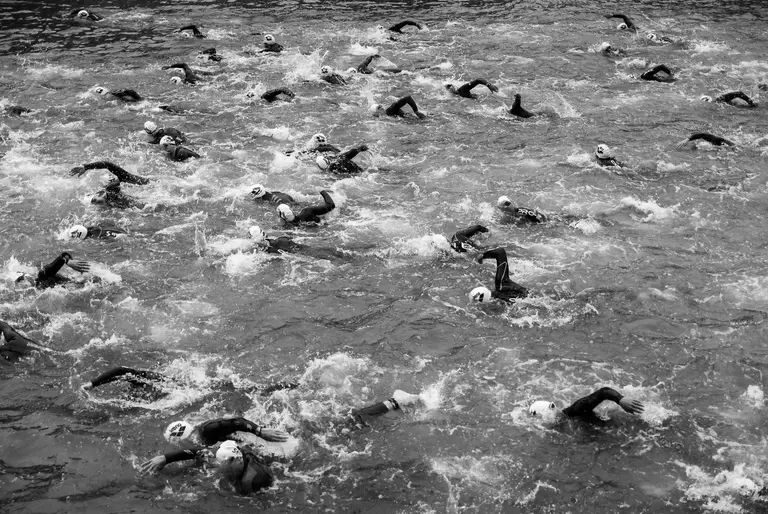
{"points": [[77, 171], [420, 115], [631, 406], [153, 465], [81, 266], [493, 88], [274, 435]]}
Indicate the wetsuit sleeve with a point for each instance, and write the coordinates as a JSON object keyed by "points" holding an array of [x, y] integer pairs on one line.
{"points": [[15, 345], [397, 27], [271, 96], [319, 210], [363, 68], [352, 153], [186, 153], [179, 455], [325, 147], [120, 173], [715, 140], [502, 266], [49, 270], [120, 371], [471, 231], [218, 430], [584, 406], [377, 409]]}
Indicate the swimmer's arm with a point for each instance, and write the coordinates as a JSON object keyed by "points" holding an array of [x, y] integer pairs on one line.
{"points": [[13, 338], [502, 265], [711, 138], [728, 97], [584, 406], [397, 27], [471, 231], [49, 270], [352, 152], [363, 68], [271, 96], [626, 19], [483, 82], [218, 430], [325, 147], [186, 153], [158, 462], [120, 371], [194, 30], [120, 173]]}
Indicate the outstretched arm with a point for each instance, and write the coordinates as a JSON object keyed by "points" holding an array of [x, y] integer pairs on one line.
{"points": [[116, 373], [271, 96], [14, 341], [49, 270], [466, 88], [502, 265], [220, 429], [728, 97], [586, 405], [194, 30], [397, 27], [363, 68], [396, 108], [625, 19], [471, 231], [352, 153], [325, 147], [120, 173], [711, 138]]}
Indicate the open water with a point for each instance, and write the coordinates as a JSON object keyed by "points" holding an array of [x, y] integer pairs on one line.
{"points": [[650, 279]]}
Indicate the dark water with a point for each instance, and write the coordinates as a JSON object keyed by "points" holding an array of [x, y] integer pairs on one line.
{"points": [[651, 280]]}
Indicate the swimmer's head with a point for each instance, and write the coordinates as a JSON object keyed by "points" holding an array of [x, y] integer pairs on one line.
{"points": [[622, 26], [376, 109], [258, 191], [606, 47], [285, 213], [177, 432], [318, 139], [150, 127], [269, 39], [503, 202], [176, 80], [78, 232], [258, 235], [167, 141], [322, 162], [326, 70], [83, 14], [603, 152], [351, 71], [228, 451], [543, 409], [651, 37], [380, 27], [250, 94], [100, 90], [705, 98], [480, 294]]}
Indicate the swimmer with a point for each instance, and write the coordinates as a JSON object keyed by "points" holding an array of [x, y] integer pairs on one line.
{"points": [[604, 156], [703, 136], [318, 143], [396, 109], [465, 90], [363, 68], [627, 23], [16, 346], [506, 289], [307, 214], [112, 194], [517, 109], [519, 214], [330, 76], [16, 110], [82, 14], [176, 152], [727, 98], [609, 50], [190, 76], [460, 239], [126, 95], [96, 232], [195, 31], [270, 45], [261, 193], [156, 134], [342, 163], [48, 275], [192, 441], [210, 55], [583, 408], [274, 94], [652, 74], [653, 38], [398, 27], [242, 468], [284, 244]]}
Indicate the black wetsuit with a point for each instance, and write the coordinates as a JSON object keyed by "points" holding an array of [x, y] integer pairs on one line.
{"points": [[506, 289], [334, 78], [608, 161], [158, 134], [398, 27], [733, 95], [135, 377], [212, 432], [126, 95], [342, 164], [284, 244], [460, 240], [15, 346], [273, 47], [275, 197], [652, 74], [16, 110], [584, 407], [181, 153], [312, 214], [630, 25], [91, 16], [195, 31], [363, 68], [465, 90], [272, 95], [48, 275], [189, 76], [99, 232], [517, 109], [112, 194], [715, 140], [396, 109], [211, 54]]}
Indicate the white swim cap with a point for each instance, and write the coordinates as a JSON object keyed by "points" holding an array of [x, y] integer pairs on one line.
{"points": [[227, 451], [480, 294], [651, 37], [100, 90], [269, 38], [285, 212], [605, 46], [178, 431], [322, 162], [175, 80], [258, 191], [539, 407], [603, 151], [167, 141], [351, 71], [622, 26], [705, 98], [325, 70], [318, 139], [150, 127], [82, 14], [375, 107], [250, 94], [78, 232], [503, 201], [257, 234]]}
